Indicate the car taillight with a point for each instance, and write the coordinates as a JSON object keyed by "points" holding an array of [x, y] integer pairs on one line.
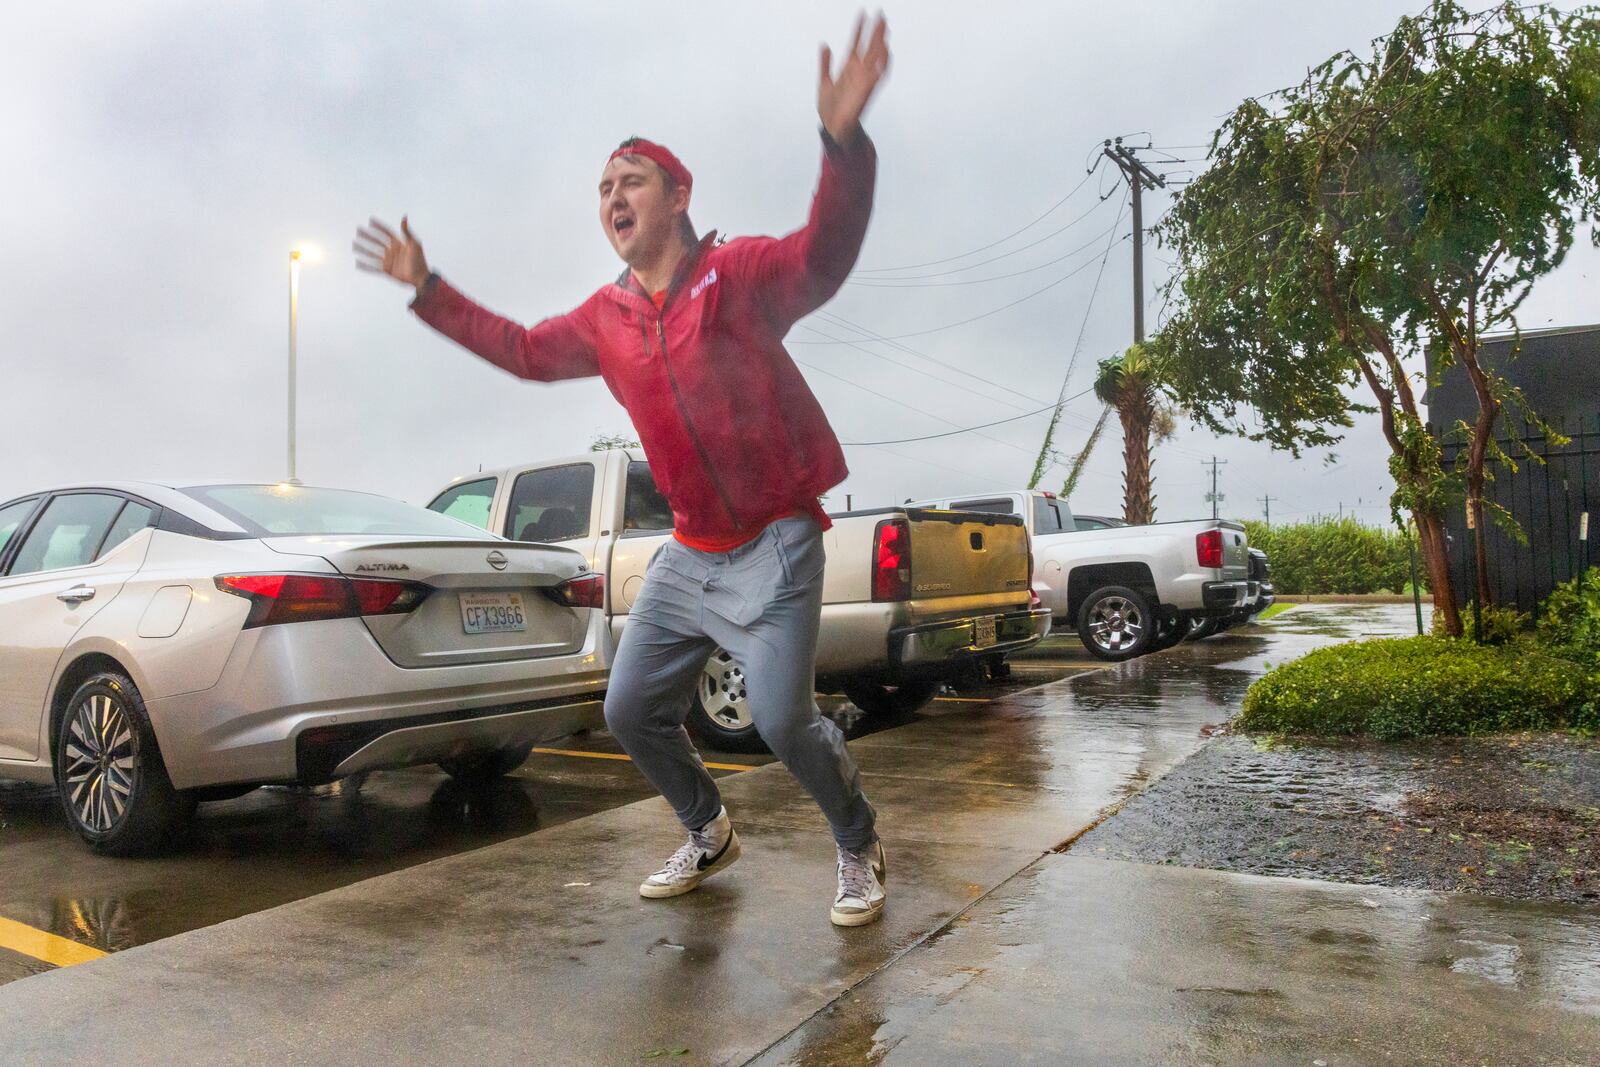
{"points": [[584, 591], [1208, 546], [891, 553], [276, 598]]}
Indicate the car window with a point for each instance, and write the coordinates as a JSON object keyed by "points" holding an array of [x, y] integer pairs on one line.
{"points": [[1046, 515], [551, 504], [469, 501], [1092, 524], [11, 517], [68, 534], [290, 510], [998, 505], [133, 518], [644, 508]]}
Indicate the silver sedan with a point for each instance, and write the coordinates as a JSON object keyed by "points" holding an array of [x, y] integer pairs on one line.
{"points": [[164, 644]]}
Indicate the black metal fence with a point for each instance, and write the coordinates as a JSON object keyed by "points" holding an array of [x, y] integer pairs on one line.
{"points": [[1554, 503]]}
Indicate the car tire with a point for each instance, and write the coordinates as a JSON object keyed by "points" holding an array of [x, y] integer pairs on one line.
{"points": [[1116, 623], [109, 773], [482, 768], [720, 715], [1200, 629], [875, 698]]}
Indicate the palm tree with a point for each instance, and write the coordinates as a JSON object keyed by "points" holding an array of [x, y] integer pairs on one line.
{"points": [[1131, 383]]}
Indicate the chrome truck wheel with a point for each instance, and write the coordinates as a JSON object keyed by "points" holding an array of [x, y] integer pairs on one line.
{"points": [[1116, 623]]}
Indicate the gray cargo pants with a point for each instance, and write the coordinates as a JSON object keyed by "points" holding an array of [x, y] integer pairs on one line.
{"points": [[762, 602]]}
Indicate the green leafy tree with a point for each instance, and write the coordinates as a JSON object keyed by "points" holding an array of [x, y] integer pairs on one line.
{"points": [[1132, 384], [1389, 200]]}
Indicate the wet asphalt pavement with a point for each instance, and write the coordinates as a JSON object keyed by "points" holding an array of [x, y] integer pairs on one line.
{"points": [[995, 946], [278, 845]]}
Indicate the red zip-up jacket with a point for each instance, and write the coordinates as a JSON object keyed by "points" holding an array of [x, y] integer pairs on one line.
{"points": [[734, 435]]}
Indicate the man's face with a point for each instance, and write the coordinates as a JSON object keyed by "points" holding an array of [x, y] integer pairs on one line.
{"points": [[639, 216]]}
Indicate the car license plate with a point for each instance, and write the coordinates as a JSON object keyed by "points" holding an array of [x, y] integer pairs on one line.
{"points": [[492, 613], [983, 631]]}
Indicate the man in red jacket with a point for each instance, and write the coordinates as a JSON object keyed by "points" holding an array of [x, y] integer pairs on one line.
{"points": [[689, 339]]}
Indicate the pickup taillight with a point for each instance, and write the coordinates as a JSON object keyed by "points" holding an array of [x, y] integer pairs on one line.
{"points": [[891, 560], [1208, 546]]}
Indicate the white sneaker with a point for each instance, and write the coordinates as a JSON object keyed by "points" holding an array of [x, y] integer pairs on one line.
{"points": [[861, 880], [708, 850]]}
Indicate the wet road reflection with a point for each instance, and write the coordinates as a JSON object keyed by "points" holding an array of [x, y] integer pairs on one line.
{"points": [[279, 844]]}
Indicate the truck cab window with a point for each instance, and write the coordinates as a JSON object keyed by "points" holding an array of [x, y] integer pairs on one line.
{"points": [[552, 504], [469, 501], [644, 507]]}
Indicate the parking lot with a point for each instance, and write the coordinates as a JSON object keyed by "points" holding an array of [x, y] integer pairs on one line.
{"points": [[60, 903]]}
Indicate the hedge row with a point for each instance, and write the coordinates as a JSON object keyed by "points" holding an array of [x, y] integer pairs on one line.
{"points": [[1417, 686], [1334, 556]]}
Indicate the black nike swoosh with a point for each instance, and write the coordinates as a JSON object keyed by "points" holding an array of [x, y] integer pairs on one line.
{"points": [[706, 861]]}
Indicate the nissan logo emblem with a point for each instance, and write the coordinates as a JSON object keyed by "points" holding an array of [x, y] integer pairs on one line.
{"points": [[497, 560]]}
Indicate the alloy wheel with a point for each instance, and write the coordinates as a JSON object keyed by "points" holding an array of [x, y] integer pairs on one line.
{"points": [[102, 762], [1115, 623]]}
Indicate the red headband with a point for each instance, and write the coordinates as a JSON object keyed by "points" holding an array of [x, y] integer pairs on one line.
{"points": [[661, 156]]}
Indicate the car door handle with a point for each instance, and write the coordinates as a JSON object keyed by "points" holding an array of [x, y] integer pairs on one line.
{"points": [[77, 594]]}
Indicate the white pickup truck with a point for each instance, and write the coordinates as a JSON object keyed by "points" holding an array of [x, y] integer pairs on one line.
{"points": [[910, 597], [1128, 589]]}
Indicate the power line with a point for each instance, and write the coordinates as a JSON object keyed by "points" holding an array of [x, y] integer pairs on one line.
{"points": [[895, 283], [966, 429], [877, 355], [994, 259], [912, 407], [963, 322], [983, 248], [873, 336], [1045, 451]]}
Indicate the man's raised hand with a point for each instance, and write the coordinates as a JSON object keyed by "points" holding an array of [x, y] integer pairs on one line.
{"points": [[842, 99], [399, 255]]}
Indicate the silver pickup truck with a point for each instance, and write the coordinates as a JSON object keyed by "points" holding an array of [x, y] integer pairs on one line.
{"points": [[1128, 589], [910, 596]]}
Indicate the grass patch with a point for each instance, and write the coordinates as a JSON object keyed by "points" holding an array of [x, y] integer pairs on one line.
{"points": [[1277, 608], [1420, 686]]}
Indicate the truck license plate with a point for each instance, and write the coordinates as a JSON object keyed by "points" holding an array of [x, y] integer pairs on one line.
{"points": [[983, 631], [492, 613]]}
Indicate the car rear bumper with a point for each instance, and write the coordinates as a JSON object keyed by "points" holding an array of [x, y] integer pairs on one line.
{"points": [[930, 648], [324, 753], [330, 681]]}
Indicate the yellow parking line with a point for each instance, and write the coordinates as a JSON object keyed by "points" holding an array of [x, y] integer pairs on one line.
{"points": [[621, 756], [59, 951]]}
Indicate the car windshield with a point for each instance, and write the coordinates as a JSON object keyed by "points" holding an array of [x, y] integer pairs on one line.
{"points": [[287, 510]]}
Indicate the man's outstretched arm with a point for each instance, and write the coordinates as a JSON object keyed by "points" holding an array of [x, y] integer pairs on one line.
{"points": [[557, 348], [801, 272]]}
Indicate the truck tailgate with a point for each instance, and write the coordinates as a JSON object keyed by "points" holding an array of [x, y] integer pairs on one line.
{"points": [[958, 554]]}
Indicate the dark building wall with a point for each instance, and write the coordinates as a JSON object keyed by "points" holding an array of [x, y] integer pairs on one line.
{"points": [[1559, 373]]}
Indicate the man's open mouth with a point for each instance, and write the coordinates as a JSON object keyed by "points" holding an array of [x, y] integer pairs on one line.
{"points": [[622, 225]]}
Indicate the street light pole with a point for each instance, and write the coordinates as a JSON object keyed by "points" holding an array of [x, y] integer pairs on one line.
{"points": [[294, 329]]}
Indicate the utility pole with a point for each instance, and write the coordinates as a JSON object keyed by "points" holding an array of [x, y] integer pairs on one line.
{"points": [[1214, 496], [1139, 178], [1266, 505]]}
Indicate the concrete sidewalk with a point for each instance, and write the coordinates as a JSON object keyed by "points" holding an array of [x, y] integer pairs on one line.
{"points": [[539, 950], [1097, 962]]}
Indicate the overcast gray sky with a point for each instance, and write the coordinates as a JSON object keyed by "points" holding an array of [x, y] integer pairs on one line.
{"points": [[163, 157]]}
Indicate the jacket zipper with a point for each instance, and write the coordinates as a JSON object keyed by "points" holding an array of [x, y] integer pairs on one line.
{"points": [[688, 424]]}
